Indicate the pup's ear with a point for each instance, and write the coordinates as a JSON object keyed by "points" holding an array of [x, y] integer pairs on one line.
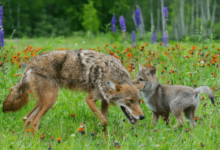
{"points": [[139, 86], [112, 85], [141, 67], [152, 71]]}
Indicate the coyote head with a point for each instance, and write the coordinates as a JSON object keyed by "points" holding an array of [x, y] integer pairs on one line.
{"points": [[146, 76], [127, 97]]}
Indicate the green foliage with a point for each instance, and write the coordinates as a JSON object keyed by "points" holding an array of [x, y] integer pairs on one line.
{"points": [[90, 18]]}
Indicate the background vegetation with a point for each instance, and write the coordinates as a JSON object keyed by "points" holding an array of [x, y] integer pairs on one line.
{"points": [[43, 18]]}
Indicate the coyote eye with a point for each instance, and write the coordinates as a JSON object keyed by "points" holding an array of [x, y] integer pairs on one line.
{"points": [[131, 101], [141, 79]]}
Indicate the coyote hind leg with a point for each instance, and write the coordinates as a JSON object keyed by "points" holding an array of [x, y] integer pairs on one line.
{"points": [[47, 92], [29, 116]]}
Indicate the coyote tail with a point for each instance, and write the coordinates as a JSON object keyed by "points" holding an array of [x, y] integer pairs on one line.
{"points": [[18, 97], [206, 90]]}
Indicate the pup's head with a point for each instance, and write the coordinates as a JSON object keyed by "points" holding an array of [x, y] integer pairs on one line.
{"points": [[127, 97], [146, 76]]}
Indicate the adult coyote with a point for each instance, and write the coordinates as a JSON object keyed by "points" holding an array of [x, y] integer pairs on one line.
{"points": [[102, 76]]}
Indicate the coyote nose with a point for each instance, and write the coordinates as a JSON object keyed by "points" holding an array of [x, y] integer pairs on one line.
{"points": [[142, 117]]}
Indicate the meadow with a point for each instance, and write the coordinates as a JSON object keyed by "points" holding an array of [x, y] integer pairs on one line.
{"points": [[185, 63]]}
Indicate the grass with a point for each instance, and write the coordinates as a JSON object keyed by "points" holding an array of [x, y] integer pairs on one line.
{"points": [[176, 64]]}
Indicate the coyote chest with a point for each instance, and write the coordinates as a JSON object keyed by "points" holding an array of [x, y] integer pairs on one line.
{"points": [[148, 101]]}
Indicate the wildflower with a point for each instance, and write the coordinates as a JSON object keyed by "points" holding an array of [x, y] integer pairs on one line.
{"points": [[133, 38], [42, 136], [1, 27], [201, 145], [58, 140], [136, 134], [52, 139], [155, 130], [49, 147], [81, 129], [72, 115], [153, 37], [129, 54], [187, 130], [137, 17], [194, 47], [28, 130], [122, 23], [165, 12], [117, 146], [113, 23], [165, 39]]}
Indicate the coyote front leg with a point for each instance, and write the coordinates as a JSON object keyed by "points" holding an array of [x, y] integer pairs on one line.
{"points": [[104, 110], [91, 102]]}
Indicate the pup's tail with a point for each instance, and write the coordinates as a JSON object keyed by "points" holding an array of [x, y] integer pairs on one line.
{"points": [[206, 90], [18, 97]]}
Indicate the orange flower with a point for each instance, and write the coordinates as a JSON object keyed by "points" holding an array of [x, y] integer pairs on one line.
{"points": [[168, 81], [146, 44], [206, 47], [28, 130], [72, 115], [15, 75], [42, 136], [60, 48], [114, 46], [129, 54], [194, 47], [58, 140]]}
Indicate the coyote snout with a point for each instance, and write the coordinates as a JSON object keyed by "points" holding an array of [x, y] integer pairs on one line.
{"points": [[128, 98]]}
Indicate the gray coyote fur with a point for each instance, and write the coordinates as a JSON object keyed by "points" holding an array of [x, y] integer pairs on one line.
{"points": [[162, 98], [102, 76]]}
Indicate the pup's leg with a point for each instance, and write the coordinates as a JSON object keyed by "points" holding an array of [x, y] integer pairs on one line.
{"points": [[189, 112], [155, 118], [178, 114], [165, 117]]}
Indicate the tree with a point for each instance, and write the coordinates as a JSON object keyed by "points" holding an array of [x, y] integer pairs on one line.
{"points": [[90, 18]]}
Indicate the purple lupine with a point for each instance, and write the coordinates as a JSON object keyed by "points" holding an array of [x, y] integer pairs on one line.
{"points": [[113, 23], [122, 23], [137, 16], [133, 38], [165, 39], [153, 37], [165, 12], [1, 27]]}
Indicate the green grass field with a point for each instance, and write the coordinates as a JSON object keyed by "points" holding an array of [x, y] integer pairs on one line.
{"points": [[180, 63]]}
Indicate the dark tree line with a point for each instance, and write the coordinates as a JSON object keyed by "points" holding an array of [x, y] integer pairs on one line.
{"points": [[37, 18]]}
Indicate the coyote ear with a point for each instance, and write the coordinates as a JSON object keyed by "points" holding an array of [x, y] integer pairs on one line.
{"points": [[152, 71], [139, 86], [112, 85], [141, 67]]}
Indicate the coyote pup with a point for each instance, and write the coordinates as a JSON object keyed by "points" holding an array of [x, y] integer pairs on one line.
{"points": [[162, 98], [102, 76]]}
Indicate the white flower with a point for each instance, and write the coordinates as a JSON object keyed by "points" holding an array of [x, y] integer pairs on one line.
{"points": [[83, 42], [157, 145], [72, 135], [202, 62], [76, 44]]}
